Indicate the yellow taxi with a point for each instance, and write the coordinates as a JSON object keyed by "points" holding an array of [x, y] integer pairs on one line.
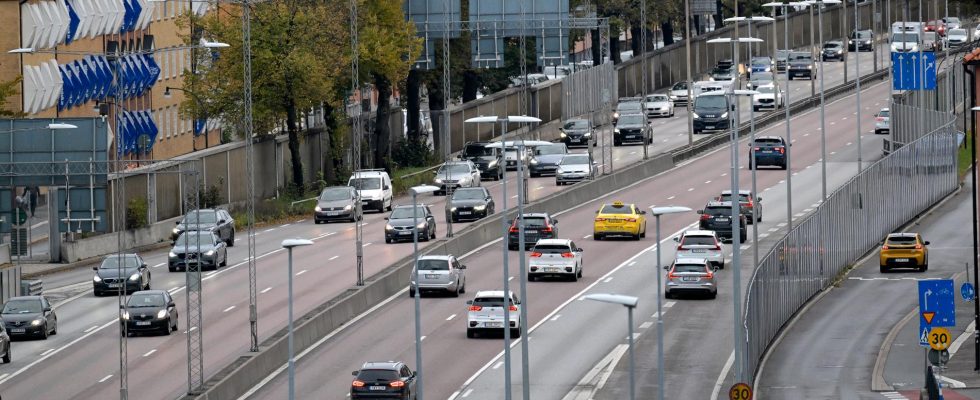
{"points": [[619, 219], [906, 250]]}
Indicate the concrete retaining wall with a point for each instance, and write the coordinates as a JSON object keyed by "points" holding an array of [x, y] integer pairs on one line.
{"points": [[97, 246]]}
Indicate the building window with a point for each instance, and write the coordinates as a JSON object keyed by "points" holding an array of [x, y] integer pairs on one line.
{"points": [[156, 120]]}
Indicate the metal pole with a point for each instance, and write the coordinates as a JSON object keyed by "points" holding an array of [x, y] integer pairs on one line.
{"points": [[789, 135], [292, 361], [356, 138], [844, 26], [526, 380], [687, 58], [973, 193], [736, 240], [823, 121], [417, 296], [253, 313], [629, 320], [507, 394], [813, 58], [754, 167], [857, 82], [660, 320], [643, 66]]}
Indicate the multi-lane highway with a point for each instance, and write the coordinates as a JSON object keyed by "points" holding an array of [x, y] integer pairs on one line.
{"points": [[568, 337], [86, 347]]}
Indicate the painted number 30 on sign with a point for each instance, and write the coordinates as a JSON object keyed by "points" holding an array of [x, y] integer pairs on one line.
{"points": [[740, 391], [939, 339]]}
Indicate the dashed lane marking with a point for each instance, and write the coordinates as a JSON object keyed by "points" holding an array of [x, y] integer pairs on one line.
{"points": [[301, 272], [333, 258], [228, 309], [149, 353], [266, 289], [158, 265], [646, 325], [450, 318], [100, 380], [555, 318]]}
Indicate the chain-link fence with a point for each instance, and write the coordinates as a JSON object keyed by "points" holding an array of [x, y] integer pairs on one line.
{"points": [[853, 220], [588, 90]]}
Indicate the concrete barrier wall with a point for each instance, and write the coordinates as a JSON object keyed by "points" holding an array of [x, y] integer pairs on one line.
{"points": [[97, 246]]}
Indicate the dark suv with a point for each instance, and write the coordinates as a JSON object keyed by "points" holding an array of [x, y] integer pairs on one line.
{"points": [[767, 150], [711, 113], [213, 220], [861, 40], [801, 64], [487, 159], [632, 128], [383, 380], [717, 216], [536, 226]]}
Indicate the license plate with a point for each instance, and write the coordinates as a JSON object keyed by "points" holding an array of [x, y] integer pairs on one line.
{"points": [[405, 233], [495, 324], [142, 323], [17, 330], [709, 127], [722, 219], [431, 276], [379, 388], [530, 231], [465, 213], [689, 279], [902, 260], [112, 285], [698, 250], [552, 269], [576, 140], [332, 213]]}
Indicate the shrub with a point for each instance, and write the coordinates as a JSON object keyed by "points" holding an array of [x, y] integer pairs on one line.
{"points": [[410, 152], [136, 212]]}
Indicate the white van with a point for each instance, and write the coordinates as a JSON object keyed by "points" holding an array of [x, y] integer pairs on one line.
{"points": [[702, 87], [374, 186]]}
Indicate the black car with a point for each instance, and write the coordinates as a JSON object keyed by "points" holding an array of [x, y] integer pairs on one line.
{"points": [[337, 203], [121, 271], [768, 150], [486, 158], [29, 316], [726, 63], [536, 226], [402, 220], [801, 64], [218, 221], [545, 159], [627, 105], [383, 380], [632, 128], [203, 246], [717, 216], [712, 113], [149, 311], [471, 204], [861, 40], [577, 132], [833, 50]]}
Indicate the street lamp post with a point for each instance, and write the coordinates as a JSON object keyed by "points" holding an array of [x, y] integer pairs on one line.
{"points": [[657, 212], [289, 244], [630, 303], [823, 130], [417, 295]]}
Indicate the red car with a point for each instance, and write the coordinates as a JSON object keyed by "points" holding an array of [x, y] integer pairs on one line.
{"points": [[936, 25]]}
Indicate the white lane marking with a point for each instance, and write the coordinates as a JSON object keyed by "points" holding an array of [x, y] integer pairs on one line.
{"points": [[510, 279], [635, 336], [806, 134], [646, 325], [609, 279], [106, 378], [467, 393], [707, 182], [808, 210], [632, 263], [799, 215], [149, 353], [539, 188], [555, 318], [498, 364], [833, 152], [285, 225], [514, 196], [158, 265], [266, 289], [671, 197], [762, 235], [669, 304], [773, 229], [724, 174], [301, 272], [228, 309], [45, 357], [269, 230], [367, 244], [91, 329], [849, 143], [422, 338], [723, 375], [38, 225], [47, 351], [782, 181], [451, 317], [781, 224], [690, 189], [301, 221], [617, 159], [587, 236], [333, 258], [963, 337]]}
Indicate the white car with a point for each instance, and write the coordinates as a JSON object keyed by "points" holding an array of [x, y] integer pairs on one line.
{"points": [[678, 93], [700, 244], [659, 105], [510, 156], [555, 257], [883, 123], [768, 98], [574, 168], [486, 313], [952, 23], [957, 37]]}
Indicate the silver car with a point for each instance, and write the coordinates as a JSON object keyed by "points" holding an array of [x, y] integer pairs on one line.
{"points": [[678, 93], [555, 257], [690, 275], [455, 174], [883, 124], [659, 105], [511, 157], [574, 168], [700, 244], [440, 274], [486, 313]]}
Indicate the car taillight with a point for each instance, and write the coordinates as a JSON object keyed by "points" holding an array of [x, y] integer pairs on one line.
{"points": [[880, 119], [600, 219], [758, 148], [717, 245], [671, 275], [630, 219], [918, 247], [547, 229], [568, 255], [704, 217], [680, 247], [513, 229], [710, 275], [781, 150], [535, 254], [749, 204], [475, 308], [397, 384], [357, 383], [513, 308], [885, 247]]}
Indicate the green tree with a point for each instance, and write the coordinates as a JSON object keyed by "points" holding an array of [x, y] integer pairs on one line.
{"points": [[7, 89]]}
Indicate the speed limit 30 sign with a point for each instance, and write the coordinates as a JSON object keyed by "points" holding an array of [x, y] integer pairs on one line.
{"points": [[939, 338], [740, 391]]}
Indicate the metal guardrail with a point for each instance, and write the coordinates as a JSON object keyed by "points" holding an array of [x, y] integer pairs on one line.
{"points": [[293, 204], [31, 287]]}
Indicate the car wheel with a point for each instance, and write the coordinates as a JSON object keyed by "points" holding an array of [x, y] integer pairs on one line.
{"points": [[713, 295], [174, 327], [515, 333], [387, 240], [924, 268], [455, 293], [231, 240], [531, 278], [147, 286], [470, 334], [574, 277], [463, 289], [171, 268], [44, 332], [616, 142], [411, 293], [882, 269], [6, 356], [316, 221], [668, 295], [579, 274], [54, 331], [597, 236], [782, 166], [643, 233]]}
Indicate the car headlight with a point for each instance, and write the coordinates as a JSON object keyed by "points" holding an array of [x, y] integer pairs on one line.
{"points": [[587, 134], [533, 161], [124, 315], [437, 180], [421, 225], [616, 114], [388, 227], [317, 209], [563, 135], [809, 67], [492, 164], [97, 278], [867, 42], [559, 171], [172, 255], [452, 209], [615, 130], [134, 277], [712, 79], [161, 314], [37, 322], [725, 115], [850, 42], [480, 207], [176, 231], [695, 115], [209, 253], [348, 207]]}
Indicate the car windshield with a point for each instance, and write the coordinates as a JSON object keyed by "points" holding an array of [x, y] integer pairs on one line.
{"points": [[742, 197], [615, 209], [489, 301], [691, 240], [952, 20], [192, 238], [146, 300], [689, 268], [551, 249], [24, 306], [365, 183], [577, 124], [768, 141], [957, 32], [657, 98], [711, 102], [832, 45], [477, 150], [530, 222], [575, 160], [760, 60], [406, 212], [905, 37], [433, 265], [469, 194], [883, 113], [453, 169], [862, 35], [549, 149], [679, 86], [631, 119], [799, 56], [377, 375], [721, 71], [718, 211], [782, 54], [765, 89], [112, 262], [762, 76], [631, 106], [335, 194], [901, 240], [201, 217]]}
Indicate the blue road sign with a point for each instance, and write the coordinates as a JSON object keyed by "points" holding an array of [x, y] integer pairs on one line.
{"points": [[967, 291], [936, 306], [908, 68], [924, 337]]}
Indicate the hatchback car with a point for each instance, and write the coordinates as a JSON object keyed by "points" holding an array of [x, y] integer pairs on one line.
{"points": [[904, 250], [833, 50], [952, 23], [456, 174], [575, 168], [690, 275], [747, 203], [767, 151], [619, 219], [678, 93], [439, 274], [632, 128], [213, 252], [700, 244], [150, 311], [337, 203], [782, 60], [537, 226], [402, 222], [470, 204], [717, 216], [381, 380], [555, 257], [761, 64], [5, 344], [577, 132], [883, 123], [957, 37], [214, 220], [126, 271], [546, 158], [29, 316], [801, 64], [488, 159], [659, 105], [486, 313]]}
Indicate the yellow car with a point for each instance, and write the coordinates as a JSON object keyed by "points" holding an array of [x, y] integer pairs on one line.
{"points": [[619, 218], [904, 250]]}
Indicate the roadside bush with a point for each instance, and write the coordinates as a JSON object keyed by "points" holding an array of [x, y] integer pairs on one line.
{"points": [[412, 153], [136, 212]]}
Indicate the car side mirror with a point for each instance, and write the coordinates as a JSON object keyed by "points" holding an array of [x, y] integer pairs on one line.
{"points": [[462, 267], [221, 221], [927, 242], [643, 212], [677, 239], [579, 250], [469, 302], [386, 218], [176, 222], [714, 267], [171, 304], [143, 265], [554, 221], [122, 306], [759, 199], [95, 268], [666, 267], [47, 309], [354, 373], [700, 211]]}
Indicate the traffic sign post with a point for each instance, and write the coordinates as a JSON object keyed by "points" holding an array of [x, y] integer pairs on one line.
{"points": [[740, 391], [937, 307], [907, 71]]}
